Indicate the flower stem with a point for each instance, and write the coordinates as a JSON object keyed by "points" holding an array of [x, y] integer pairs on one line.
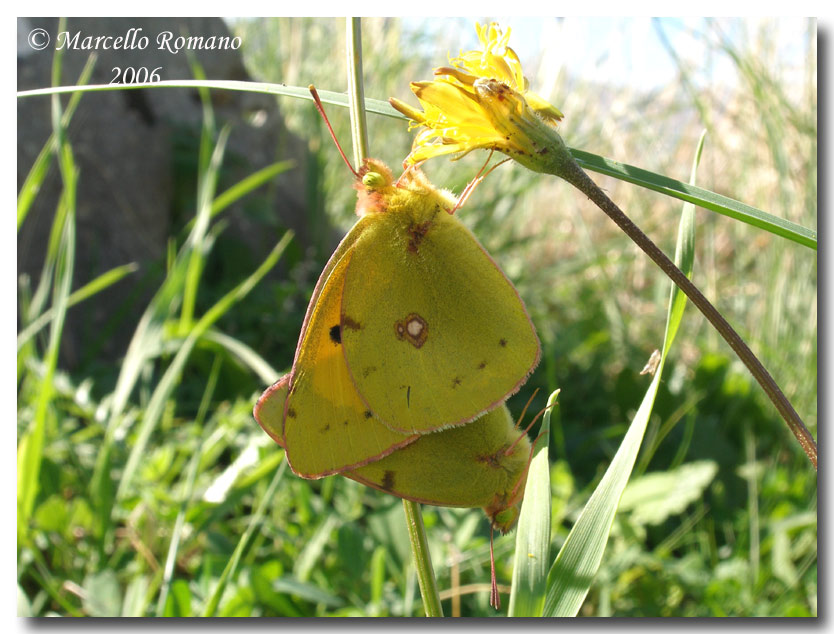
{"points": [[356, 91], [359, 129], [422, 559], [577, 177]]}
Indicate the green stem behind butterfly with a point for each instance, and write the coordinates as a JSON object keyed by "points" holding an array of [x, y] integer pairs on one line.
{"points": [[422, 560], [358, 125]]}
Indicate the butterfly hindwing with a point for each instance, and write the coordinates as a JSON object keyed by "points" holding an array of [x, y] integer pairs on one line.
{"points": [[481, 464], [269, 410]]}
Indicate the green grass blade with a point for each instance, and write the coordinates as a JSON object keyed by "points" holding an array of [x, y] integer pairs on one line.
{"points": [[40, 168], [245, 354], [311, 555], [205, 194], [31, 446], [234, 561], [249, 184], [88, 290], [684, 259], [532, 541], [699, 197], [329, 97], [166, 384], [644, 178], [572, 573], [147, 338], [188, 489]]}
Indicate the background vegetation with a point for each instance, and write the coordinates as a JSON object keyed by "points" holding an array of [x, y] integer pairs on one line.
{"points": [[151, 475]]}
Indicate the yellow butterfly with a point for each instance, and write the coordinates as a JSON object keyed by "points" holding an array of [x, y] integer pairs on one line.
{"points": [[412, 328]]}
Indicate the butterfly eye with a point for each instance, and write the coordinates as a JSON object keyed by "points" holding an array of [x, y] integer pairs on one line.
{"points": [[373, 180]]}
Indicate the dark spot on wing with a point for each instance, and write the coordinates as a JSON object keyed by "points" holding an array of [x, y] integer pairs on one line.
{"points": [[408, 397], [366, 372], [326, 428], [368, 414], [291, 412], [413, 329], [387, 480], [455, 382], [347, 322], [482, 365], [503, 343], [336, 334], [496, 460], [345, 423], [416, 234]]}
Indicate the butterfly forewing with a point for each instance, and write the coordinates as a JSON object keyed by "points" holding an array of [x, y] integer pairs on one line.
{"points": [[434, 333], [327, 427]]}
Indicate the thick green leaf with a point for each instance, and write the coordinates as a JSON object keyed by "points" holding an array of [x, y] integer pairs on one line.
{"points": [[305, 591], [532, 542], [136, 596], [24, 607], [653, 497], [102, 595], [179, 600]]}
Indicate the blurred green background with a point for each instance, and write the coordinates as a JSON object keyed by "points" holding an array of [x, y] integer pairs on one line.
{"points": [[720, 517]]}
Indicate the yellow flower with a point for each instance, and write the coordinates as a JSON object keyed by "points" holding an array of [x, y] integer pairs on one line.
{"points": [[481, 101]]}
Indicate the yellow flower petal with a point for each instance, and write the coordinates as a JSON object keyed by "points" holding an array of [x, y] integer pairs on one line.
{"points": [[481, 100], [412, 113]]}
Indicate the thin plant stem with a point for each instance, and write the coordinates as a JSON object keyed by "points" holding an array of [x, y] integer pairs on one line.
{"points": [[422, 560], [359, 131], [254, 523], [356, 91], [577, 177]]}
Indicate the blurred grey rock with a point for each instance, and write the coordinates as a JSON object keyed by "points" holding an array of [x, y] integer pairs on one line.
{"points": [[124, 145]]}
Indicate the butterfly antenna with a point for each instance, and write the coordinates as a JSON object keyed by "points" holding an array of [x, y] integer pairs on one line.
{"points": [[320, 108], [510, 449], [524, 411], [523, 477], [532, 449], [467, 192], [406, 170], [494, 597]]}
